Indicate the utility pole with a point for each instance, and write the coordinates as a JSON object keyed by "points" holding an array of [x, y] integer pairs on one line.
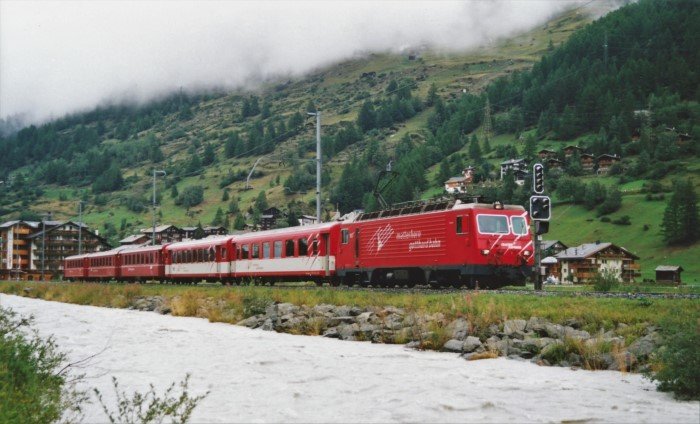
{"points": [[487, 120], [80, 227], [155, 172], [317, 114], [43, 244]]}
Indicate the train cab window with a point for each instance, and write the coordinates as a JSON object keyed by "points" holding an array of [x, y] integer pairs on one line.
{"points": [[277, 249], [245, 251], [492, 224], [303, 247], [256, 251], [344, 236], [266, 250], [289, 248], [314, 247], [519, 225]]}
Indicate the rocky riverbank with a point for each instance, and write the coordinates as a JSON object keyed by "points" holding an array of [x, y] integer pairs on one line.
{"points": [[536, 339]]}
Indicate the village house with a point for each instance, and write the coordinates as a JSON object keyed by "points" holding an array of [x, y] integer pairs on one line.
{"points": [[571, 150], [135, 240], [167, 233], [547, 154], [518, 167], [587, 162], [582, 263], [269, 217], [605, 162], [554, 163], [459, 184], [551, 247], [28, 247]]}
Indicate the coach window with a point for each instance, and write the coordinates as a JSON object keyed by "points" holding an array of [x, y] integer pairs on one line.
{"points": [[289, 248], [212, 255], [224, 254], [256, 251], [314, 247], [278, 249], [244, 251], [266, 250], [303, 247], [345, 236]]}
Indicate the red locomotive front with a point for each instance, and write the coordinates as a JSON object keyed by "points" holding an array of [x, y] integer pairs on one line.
{"points": [[459, 244]]}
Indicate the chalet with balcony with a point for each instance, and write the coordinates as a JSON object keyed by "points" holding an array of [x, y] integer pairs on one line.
{"points": [[165, 233], [517, 166], [554, 163], [587, 162], [571, 150], [547, 154], [27, 247], [459, 184], [605, 162], [582, 263], [135, 240]]}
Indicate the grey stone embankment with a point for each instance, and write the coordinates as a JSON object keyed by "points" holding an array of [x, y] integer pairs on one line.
{"points": [[535, 339]]}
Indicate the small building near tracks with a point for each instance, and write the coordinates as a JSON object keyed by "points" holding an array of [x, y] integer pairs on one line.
{"points": [[668, 274]]}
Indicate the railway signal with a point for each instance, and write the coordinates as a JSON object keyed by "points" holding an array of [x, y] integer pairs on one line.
{"points": [[538, 178], [540, 208]]}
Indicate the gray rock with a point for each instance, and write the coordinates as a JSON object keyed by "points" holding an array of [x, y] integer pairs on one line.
{"points": [[544, 342], [393, 322], [536, 324], [251, 322], [459, 328], [334, 321], [413, 345], [342, 311], [267, 325], [323, 309], [392, 310], [453, 345], [554, 331], [644, 346], [529, 345], [573, 323], [602, 361], [574, 359], [513, 325], [355, 311], [348, 331], [364, 317], [331, 333], [286, 308], [572, 333], [367, 330], [471, 344], [494, 330]]}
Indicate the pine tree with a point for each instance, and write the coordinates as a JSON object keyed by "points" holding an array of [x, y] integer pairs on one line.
{"points": [[218, 218], [367, 118], [680, 222], [239, 223], [173, 191]]}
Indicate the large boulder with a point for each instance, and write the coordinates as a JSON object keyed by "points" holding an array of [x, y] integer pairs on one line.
{"points": [[471, 344], [459, 328], [251, 322], [348, 331], [644, 346], [537, 325], [512, 326], [453, 345]]}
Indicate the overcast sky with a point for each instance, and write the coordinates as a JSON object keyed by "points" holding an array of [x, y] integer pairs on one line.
{"points": [[63, 56]]}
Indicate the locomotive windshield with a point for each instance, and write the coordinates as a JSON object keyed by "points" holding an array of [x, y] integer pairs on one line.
{"points": [[493, 224], [519, 225]]}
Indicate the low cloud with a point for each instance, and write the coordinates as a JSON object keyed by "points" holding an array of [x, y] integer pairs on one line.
{"points": [[59, 57]]}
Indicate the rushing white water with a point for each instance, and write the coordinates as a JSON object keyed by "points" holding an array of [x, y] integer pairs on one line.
{"points": [[257, 376]]}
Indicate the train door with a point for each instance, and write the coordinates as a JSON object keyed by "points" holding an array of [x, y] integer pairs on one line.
{"points": [[324, 252], [231, 259], [356, 250]]}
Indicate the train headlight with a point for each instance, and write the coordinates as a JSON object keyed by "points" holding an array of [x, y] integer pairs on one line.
{"points": [[527, 253], [485, 252]]}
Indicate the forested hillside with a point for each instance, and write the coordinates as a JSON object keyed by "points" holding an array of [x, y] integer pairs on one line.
{"points": [[624, 85]]}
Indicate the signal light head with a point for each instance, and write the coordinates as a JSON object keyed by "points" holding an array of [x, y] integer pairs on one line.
{"points": [[538, 178]]}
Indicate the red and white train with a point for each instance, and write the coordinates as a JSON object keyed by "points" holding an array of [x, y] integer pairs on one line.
{"points": [[441, 244]]}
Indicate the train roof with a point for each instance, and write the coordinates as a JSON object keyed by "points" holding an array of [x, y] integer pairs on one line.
{"points": [[211, 240], [301, 229], [144, 248], [433, 206]]}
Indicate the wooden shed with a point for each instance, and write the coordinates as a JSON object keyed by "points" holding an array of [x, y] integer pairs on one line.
{"points": [[668, 274]]}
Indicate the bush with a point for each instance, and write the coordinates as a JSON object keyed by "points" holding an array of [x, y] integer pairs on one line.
{"points": [[151, 408], [605, 281], [33, 389], [190, 196], [623, 220], [680, 361]]}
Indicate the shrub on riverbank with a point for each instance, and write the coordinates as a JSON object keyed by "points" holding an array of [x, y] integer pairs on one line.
{"points": [[33, 386], [679, 361]]}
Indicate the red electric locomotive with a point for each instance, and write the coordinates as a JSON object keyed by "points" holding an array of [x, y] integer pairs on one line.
{"points": [[449, 243]]}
